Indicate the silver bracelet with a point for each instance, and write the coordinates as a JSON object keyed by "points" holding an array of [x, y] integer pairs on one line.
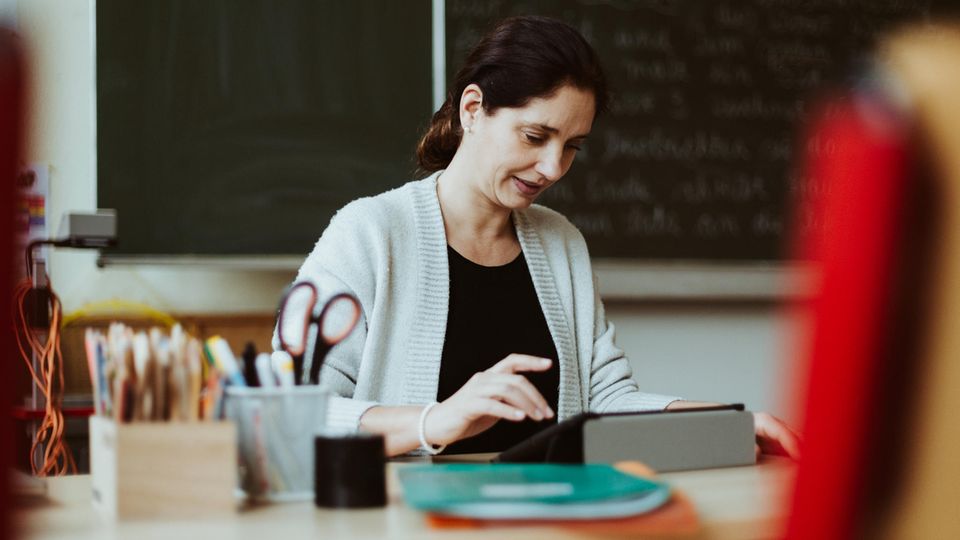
{"points": [[427, 447]]}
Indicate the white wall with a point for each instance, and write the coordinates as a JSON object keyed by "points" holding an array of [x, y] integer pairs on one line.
{"points": [[700, 352], [725, 353]]}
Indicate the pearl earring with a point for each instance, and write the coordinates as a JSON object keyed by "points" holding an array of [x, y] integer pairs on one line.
{"points": [[468, 129]]}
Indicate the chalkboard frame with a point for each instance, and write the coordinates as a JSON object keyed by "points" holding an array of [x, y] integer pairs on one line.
{"points": [[618, 279]]}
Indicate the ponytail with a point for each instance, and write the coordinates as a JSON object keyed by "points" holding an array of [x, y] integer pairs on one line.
{"points": [[438, 145]]}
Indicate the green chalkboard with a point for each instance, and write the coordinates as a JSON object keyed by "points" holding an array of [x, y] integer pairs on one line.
{"points": [[697, 159], [239, 127]]}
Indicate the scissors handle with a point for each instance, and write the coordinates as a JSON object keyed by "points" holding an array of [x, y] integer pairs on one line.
{"points": [[302, 316], [324, 342]]}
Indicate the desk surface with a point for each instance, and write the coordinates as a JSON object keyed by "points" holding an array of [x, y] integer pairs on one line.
{"points": [[738, 502]]}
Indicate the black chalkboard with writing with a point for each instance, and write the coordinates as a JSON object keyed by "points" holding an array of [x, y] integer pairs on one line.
{"points": [[695, 160], [240, 127]]}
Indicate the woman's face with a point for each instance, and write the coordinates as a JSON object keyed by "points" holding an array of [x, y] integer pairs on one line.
{"points": [[520, 152]]}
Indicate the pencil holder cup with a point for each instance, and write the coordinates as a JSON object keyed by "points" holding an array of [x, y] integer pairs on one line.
{"points": [[276, 428], [162, 470]]}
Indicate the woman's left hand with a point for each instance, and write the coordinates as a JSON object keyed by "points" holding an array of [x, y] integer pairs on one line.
{"points": [[774, 436]]}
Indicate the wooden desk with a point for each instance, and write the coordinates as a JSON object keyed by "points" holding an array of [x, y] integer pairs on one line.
{"points": [[740, 502]]}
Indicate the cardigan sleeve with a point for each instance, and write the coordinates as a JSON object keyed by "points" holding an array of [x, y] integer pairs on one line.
{"points": [[339, 263], [612, 387]]}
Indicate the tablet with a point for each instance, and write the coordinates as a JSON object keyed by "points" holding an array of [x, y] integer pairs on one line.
{"points": [[696, 438]]}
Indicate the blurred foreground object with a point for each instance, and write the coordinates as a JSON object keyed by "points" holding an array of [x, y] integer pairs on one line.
{"points": [[11, 126], [879, 458], [928, 64]]}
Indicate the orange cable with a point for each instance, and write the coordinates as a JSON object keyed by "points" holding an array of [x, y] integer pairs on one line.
{"points": [[57, 457]]}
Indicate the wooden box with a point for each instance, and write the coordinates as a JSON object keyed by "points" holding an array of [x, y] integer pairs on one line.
{"points": [[154, 470]]}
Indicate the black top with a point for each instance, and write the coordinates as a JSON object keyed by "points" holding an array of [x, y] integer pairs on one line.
{"points": [[494, 311]]}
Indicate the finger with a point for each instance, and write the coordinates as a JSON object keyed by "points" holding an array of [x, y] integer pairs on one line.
{"points": [[785, 437], [772, 432], [791, 443], [505, 389], [498, 409], [530, 391], [521, 362]]}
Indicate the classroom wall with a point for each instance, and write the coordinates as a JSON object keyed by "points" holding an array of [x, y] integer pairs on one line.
{"points": [[722, 352], [710, 352]]}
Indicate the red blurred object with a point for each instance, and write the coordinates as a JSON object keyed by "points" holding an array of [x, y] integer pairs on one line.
{"points": [[11, 129], [875, 213]]}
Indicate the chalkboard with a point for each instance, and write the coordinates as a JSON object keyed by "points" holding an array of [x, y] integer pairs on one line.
{"points": [[240, 127], [695, 160]]}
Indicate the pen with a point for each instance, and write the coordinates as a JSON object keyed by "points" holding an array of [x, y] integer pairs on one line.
{"points": [[141, 358], [225, 361], [179, 395], [283, 368], [90, 345], [164, 381], [250, 365], [194, 358], [211, 397], [158, 381], [103, 377], [297, 361], [124, 380], [264, 372]]}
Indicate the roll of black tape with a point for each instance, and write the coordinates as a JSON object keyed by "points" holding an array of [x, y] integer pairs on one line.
{"points": [[349, 471]]}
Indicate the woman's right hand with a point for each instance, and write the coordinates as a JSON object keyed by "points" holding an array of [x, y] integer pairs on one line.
{"points": [[489, 396]]}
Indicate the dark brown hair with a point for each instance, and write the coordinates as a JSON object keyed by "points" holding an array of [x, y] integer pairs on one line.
{"points": [[522, 58]]}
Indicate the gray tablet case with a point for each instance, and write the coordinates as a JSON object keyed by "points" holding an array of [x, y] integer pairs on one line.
{"points": [[715, 436], [672, 441]]}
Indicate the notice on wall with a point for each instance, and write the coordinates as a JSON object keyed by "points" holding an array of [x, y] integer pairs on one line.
{"points": [[33, 184]]}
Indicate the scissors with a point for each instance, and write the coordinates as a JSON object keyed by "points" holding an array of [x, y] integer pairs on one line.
{"points": [[298, 303]]}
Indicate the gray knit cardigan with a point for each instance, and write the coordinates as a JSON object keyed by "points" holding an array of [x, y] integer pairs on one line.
{"points": [[391, 252]]}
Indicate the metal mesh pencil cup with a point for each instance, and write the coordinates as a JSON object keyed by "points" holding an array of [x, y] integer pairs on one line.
{"points": [[275, 433]]}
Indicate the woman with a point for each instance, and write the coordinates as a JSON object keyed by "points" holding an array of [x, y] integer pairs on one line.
{"points": [[481, 322]]}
